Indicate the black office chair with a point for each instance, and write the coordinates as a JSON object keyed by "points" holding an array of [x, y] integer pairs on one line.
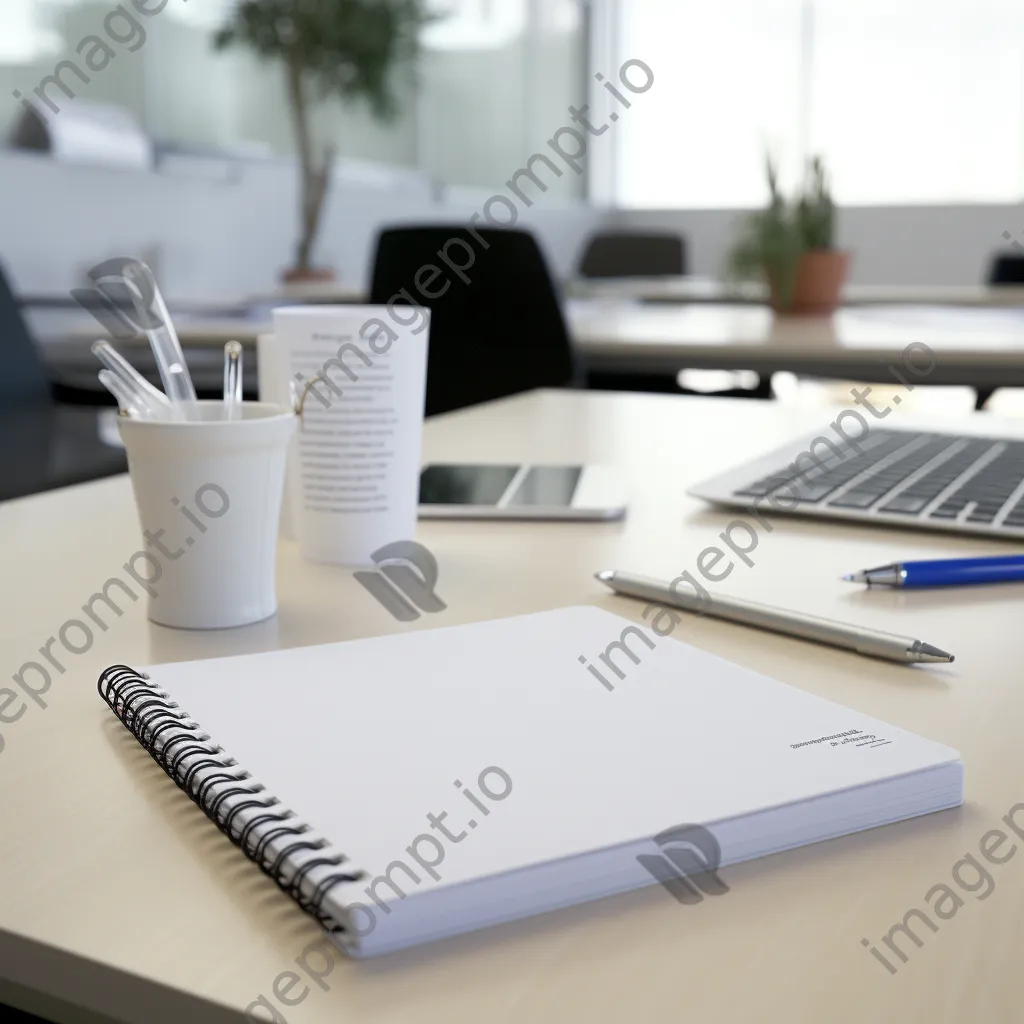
{"points": [[498, 335], [634, 254], [18, 1016], [1006, 269], [23, 377], [43, 444]]}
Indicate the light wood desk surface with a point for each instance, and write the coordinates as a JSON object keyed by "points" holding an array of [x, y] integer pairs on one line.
{"points": [[972, 346], [707, 289], [118, 895]]}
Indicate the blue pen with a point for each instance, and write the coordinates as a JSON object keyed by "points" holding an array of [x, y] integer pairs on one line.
{"points": [[947, 572]]}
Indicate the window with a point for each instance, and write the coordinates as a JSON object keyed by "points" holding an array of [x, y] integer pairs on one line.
{"points": [[909, 101], [476, 24], [726, 83], [920, 100], [21, 40], [496, 78]]}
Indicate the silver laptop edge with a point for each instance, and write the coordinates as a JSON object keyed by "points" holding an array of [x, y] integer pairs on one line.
{"points": [[721, 488]]}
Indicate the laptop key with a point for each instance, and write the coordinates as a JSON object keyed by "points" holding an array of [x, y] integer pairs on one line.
{"points": [[950, 509], [906, 503], [856, 499], [812, 492], [762, 487]]}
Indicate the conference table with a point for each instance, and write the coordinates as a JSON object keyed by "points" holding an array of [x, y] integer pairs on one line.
{"points": [[316, 292], [689, 289], [979, 347], [694, 289], [122, 903]]}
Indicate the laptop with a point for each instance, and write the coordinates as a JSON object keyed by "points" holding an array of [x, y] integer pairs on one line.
{"points": [[942, 479]]}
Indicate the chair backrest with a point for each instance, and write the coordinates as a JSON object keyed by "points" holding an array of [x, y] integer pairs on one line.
{"points": [[1006, 269], [496, 325], [634, 254], [23, 376]]}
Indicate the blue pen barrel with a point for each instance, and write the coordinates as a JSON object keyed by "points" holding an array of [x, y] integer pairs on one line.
{"points": [[962, 572]]}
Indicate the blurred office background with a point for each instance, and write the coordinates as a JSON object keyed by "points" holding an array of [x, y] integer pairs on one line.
{"points": [[918, 109], [496, 78], [915, 106]]}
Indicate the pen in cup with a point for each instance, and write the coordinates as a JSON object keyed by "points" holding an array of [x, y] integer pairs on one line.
{"points": [[163, 338], [146, 398], [232, 380], [127, 401]]}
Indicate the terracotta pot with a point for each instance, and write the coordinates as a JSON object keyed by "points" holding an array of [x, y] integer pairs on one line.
{"points": [[311, 276], [819, 284]]}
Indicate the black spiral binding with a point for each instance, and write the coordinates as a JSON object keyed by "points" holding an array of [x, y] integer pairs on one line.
{"points": [[202, 770]]}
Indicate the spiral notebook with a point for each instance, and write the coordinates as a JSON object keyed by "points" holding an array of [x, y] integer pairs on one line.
{"points": [[411, 787]]}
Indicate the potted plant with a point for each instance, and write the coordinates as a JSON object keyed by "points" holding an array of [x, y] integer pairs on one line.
{"points": [[791, 246], [344, 48]]}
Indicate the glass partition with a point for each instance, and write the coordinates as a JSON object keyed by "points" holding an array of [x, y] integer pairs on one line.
{"points": [[496, 78]]}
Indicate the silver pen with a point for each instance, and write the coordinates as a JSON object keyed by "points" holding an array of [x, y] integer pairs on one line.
{"points": [[865, 641]]}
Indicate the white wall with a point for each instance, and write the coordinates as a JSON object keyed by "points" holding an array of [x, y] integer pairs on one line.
{"points": [[223, 229], [940, 245]]}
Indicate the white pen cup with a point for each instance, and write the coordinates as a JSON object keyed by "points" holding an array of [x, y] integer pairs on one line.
{"points": [[361, 375], [209, 495]]}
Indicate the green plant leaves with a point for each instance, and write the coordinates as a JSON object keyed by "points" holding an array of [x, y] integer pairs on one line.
{"points": [[772, 241], [347, 48]]}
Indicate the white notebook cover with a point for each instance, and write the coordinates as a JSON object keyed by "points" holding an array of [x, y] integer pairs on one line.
{"points": [[364, 739]]}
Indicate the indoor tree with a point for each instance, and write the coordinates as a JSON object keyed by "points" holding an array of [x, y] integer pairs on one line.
{"points": [[348, 49]]}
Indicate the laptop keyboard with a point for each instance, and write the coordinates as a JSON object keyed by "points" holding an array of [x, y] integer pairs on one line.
{"points": [[945, 479]]}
